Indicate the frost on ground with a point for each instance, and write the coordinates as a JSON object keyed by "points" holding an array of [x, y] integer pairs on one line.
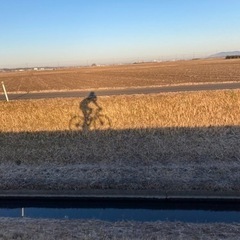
{"points": [[76, 229], [205, 159], [172, 177]]}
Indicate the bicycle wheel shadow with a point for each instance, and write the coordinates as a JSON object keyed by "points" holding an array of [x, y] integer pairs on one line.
{"points": [[92, 118]]}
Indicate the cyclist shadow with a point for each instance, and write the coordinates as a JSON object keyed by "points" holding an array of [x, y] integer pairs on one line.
{"points": [[92, 118]]}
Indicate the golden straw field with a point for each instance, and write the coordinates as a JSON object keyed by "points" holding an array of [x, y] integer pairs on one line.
{"points": [[201, 109]]}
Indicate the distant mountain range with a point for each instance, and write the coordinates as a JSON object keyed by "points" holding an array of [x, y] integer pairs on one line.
{"points": [[224, 54]]}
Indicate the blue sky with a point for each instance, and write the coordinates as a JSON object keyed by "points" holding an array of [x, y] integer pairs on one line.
{"points": [[78, 32]]}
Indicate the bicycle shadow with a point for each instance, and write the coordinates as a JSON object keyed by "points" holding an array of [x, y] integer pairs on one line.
{"points": [[92, 118]]}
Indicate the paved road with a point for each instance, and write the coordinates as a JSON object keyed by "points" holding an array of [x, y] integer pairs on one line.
{"points": [[127, 91]]}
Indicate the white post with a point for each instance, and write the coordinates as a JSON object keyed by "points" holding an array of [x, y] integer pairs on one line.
{"points": [[5, 92], [23, 212]]}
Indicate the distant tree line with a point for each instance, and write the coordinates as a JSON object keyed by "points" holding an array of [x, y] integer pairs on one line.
{"points": [[233, 57]]}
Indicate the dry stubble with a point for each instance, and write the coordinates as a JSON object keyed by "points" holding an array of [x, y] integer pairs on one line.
{"points": [[203, 109], [133, 75]]}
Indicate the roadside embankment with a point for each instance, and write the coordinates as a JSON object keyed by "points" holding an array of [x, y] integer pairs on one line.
{"points": [[171, 142], [184, 142]]}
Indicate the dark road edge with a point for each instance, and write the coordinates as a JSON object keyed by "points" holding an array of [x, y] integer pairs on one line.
{"points": [[120, 194]]}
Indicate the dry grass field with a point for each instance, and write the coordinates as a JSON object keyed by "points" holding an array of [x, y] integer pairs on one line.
{"points": [[167, 142], [200, 109], [134, 75]]}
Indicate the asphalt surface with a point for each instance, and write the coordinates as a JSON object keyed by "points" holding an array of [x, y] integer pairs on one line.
{"points": [[126, 91], [112, 194]]}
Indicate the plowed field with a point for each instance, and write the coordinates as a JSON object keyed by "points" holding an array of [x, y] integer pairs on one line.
{"points": [[134, 75]]}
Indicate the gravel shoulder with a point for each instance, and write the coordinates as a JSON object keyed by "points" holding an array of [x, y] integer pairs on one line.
{"points": [[75, 229]]}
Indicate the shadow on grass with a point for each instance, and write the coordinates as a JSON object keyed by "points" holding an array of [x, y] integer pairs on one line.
{"points": [[130, 145], [167, 159]]}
